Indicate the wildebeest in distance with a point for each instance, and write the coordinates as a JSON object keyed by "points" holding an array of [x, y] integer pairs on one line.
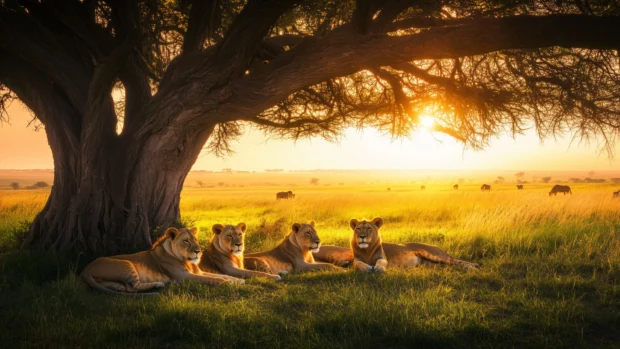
{"points": [[423, 187], [519, 186], [285, 195], [485, 187], [616, 194], [560, 189], [456, 186]]}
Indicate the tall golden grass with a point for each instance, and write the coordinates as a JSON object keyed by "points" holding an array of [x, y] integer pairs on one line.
{"points": [[466, 222]]}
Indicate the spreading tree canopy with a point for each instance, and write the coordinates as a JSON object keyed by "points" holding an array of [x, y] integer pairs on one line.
{"points": [[193, 73]]}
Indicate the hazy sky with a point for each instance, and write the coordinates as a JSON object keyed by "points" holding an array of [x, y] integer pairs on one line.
{"points": [[24, 148]]}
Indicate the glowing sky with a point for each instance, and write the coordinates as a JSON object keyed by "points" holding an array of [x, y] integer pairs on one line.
{"points": [[24, 148]]}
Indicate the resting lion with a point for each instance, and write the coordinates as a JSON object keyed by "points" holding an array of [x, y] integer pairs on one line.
{"points": [[294, 253], [225, 253], [173, 257], [368, 253]]}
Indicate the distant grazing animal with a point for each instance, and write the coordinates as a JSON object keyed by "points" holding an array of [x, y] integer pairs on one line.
{"points": [[560, 189], [389, 189], [423, 187], [519, 186], [617, 194], [225, 253], [456, 186], [173, 257], [285, 195], [485, 187], [293, 254], [368, 253]]}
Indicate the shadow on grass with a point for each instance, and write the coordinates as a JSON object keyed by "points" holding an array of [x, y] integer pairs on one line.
{"points": [[44, 304]]}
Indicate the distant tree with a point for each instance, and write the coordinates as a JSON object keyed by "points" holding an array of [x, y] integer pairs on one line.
{"points": [[15, 185], [500, 179], [314, 181], [41, 184], [591, 173], [545, 179], [461, 180], [227, 170], [200, 184], [576, 180], [519, 175], [615, 180], [221, 184]]}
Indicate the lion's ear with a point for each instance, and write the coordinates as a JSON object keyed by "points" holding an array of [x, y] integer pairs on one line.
{"points": [[217, 229], [296, 227], [377, 222], [172, 233], [241, 226], [312, 224], [353, 223], [194, 230]]}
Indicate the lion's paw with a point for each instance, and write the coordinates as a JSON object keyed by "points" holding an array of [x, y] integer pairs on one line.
{"points": [[379, 269]]}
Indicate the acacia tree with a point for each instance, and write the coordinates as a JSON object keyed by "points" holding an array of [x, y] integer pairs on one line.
{"points": [[194, 73]]}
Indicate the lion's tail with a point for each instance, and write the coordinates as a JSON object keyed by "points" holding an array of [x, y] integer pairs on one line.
{"points": [[436, 255], [90, 281]]}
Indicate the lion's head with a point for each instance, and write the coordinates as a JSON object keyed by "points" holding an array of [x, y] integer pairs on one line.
{"points": [[228, 239], [306, 237], [181, 243], [366, 233]]}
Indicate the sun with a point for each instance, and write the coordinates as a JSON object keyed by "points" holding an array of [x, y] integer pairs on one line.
{"points": [[427, 121]]}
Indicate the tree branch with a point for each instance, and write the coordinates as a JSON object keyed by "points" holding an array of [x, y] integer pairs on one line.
{"points": [[343, 53], [25, 37], [38, 93], [204, 19], [250, 27], [388, 13]]}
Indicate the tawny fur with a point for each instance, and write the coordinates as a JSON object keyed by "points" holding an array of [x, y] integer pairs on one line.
{"points": [[293, 254], [225, 253], [377, 256], [173, 258]]}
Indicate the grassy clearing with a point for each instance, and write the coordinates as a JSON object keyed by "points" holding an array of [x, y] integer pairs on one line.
{"points": [[550, 278]]}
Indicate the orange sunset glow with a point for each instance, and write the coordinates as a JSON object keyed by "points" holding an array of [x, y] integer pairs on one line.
{"points": [[25, 148]]}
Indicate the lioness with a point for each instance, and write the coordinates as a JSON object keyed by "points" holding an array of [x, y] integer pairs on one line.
{"points": [[368, 253], [225, 253], [294, 253], [173, 257]]}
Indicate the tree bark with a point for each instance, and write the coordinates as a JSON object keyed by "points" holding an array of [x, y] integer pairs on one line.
{"points": [[116, 205]]}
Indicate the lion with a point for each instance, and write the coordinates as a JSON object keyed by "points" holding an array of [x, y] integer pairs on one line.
{"points": [[225, 253], [293, 254], [174, 257], [369, 253]]}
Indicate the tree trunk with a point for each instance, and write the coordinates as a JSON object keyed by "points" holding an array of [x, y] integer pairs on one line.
{"points": [[118, 202]]}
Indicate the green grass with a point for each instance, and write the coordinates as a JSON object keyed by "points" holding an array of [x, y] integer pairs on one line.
{"points": [[550, 278]]}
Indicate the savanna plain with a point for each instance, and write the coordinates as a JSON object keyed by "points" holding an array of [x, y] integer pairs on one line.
{"points": [[550, 274]]}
